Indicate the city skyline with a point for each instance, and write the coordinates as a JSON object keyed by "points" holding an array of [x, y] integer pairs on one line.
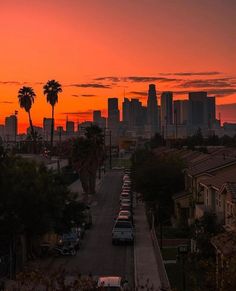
{"points": [[120, 47]]}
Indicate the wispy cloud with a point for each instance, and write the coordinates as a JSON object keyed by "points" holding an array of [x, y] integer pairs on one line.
{"points": [[91, 85], [88, 95], [10, 83], [77, 112], [144, 79], [139, 93], [111, 79], [208, 83], [210, 73], [7, 102]]}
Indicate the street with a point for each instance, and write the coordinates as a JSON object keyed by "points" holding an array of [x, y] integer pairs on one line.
{"points": [[97, 254]]}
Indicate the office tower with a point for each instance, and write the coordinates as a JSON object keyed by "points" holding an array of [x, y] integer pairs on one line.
{"points": [[152, 110], [177, 112], [198, 107], [70, 127], [98, 119], [184, 109], [97, 115], [211, 109], [47, 127], [126, 111], [166, 109], [11, 127], [135, 113], [113, 114]]}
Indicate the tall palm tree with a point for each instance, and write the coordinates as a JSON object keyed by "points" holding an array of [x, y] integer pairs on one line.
{"points": [[26, 97], [51, 90]]}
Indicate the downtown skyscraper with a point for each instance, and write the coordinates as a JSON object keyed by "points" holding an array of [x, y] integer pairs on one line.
{"points": [[152, 110]]}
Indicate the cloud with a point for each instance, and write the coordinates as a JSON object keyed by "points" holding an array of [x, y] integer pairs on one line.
{"points": [[77, 112], [144, 79], [10, 83], [91, 85], [210, 73], [111, 79], [7, 102], [208, 83], [75, 95], [139, 93], [88, 95]]}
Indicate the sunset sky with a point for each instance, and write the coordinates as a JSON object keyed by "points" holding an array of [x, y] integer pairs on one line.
{"points": [[100, 48]]}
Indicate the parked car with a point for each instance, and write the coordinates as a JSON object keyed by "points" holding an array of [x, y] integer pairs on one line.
{"points": [[122, 232], [112, 283]]}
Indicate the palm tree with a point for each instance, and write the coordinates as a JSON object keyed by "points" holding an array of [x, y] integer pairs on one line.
{"points": [[51, 90], [26, 97]]}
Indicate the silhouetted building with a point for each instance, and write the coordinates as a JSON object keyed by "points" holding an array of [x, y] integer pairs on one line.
{"points": [[98, 119], [152, 110], [166, 109], [47, 128], [2, 130], [181, 112], [11, 128], [70, 127], [113, 114], [126, 111], [201, 109]]}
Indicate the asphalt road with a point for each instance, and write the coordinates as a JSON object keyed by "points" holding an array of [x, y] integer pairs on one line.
{"points": [[97, 255]]}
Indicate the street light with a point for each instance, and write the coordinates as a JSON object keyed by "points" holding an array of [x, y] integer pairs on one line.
{"points": [[182, 253]]}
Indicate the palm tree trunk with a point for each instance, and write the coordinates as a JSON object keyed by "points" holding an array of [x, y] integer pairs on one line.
{"points": [[32, 132], [52, 128]]}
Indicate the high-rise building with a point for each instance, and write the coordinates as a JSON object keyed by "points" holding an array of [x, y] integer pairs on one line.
{"points": [[47, 122], [2, 130], [177, 112], [184, 109], [201, 109], [70, 127], [98, 119], [11, 127], [152, 110], [166, 109], [113, 114], [126, 111], [211, 111], [198, 108]]}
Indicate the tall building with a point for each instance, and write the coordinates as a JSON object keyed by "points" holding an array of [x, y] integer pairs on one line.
{"points": [[2, 130], [198, 108], [166, 109], [201, 109], [98, 119], [113, 114], [152, 110], [126, 111], [47, 128], [181, 112], [70, 127], [211, 108], [11, 128]]}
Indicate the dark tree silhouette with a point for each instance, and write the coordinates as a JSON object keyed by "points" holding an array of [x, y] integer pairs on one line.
{"points": [[26, 97]]}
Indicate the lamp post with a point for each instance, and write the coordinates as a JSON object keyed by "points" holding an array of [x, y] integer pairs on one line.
{"points": [[182, 253]]}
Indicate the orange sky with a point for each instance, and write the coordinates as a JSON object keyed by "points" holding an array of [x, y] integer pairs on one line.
{"points": [[178, 45]]}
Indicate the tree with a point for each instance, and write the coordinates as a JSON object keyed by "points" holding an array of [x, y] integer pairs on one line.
{"points": [[51, 90], [86, 155], [26, 97]]}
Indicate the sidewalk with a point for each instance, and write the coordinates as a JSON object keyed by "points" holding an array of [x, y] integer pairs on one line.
{"points": [[145, 265]]}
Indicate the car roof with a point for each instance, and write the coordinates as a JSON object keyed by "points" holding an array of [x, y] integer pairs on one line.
{"points": [[112, 281], [120, 217], [125, 211]]}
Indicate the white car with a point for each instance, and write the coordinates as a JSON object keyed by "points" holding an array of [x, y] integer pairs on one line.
{"points": [[111, 283], [123, 232]]}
